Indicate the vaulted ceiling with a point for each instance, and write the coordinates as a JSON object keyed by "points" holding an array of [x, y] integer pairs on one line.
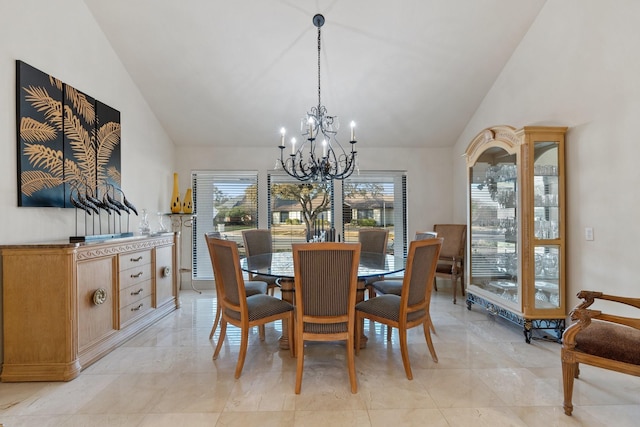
{"points": [[232, 73]]}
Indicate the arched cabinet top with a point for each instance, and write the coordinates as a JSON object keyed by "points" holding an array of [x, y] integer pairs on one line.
{"points": [[504, 137]]}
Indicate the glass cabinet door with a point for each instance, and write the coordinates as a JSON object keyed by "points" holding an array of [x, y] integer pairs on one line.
{"points": [[493, 222], [546, 228]]}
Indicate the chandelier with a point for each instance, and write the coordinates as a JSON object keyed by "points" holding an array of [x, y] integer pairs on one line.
{"points": [[325, 158]]}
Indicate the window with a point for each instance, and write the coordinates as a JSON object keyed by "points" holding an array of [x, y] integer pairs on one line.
{"points": [[376, 199], [298, 210], [226, 202]]}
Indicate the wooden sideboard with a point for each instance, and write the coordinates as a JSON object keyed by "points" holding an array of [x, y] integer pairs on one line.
{"points": [[66, 305]]}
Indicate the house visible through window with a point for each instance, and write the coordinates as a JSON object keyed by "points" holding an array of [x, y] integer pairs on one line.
{"points": [[376, 199], [298, 211]]}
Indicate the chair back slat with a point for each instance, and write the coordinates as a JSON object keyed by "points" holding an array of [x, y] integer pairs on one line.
{"points": [[454, 236], [226, 269], [421, 266], [421, 235], [373, 240], [325, 283], [257, 242]]}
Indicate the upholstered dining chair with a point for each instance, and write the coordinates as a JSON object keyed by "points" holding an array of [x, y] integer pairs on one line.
{"points": [[599, 339], [411, 308], [393, 285], [236, 307], [257, 242], [373, 240], [451, 263], [326, 278], [251, 288], [421, 235]]}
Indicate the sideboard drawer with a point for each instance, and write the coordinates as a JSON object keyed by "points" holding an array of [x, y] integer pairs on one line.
{"points": [[134, 310], [135, 293], [137, 274], [134, 259]]}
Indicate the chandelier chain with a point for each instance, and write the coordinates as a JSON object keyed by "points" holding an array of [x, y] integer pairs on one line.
{"points": [[319, 103]]}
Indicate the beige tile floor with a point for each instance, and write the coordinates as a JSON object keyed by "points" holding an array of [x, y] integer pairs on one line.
{"points": [[486, 376]]}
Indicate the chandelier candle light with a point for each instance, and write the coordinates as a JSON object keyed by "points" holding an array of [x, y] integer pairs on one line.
{"points": [[317, 127]]}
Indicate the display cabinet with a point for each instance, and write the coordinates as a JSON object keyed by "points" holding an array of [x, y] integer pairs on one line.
{"points": [[516, 239]]}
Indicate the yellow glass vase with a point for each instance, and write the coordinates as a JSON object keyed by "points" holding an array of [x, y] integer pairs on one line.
{"points": [[176, 207], [187, 204]]}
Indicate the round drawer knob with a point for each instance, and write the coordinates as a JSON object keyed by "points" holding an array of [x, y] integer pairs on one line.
{"points": [[99, 296]]}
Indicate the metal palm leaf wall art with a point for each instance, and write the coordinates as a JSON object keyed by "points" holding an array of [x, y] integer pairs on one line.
{"points": [[69, 153]]}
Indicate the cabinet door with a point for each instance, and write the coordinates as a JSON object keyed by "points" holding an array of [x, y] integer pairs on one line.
{"points": [[494, 226], [164, 275], [97, 288], [547, 226]]}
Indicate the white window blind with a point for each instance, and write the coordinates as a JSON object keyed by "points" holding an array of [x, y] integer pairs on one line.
{"points": [[223, 201], [376, 199]]}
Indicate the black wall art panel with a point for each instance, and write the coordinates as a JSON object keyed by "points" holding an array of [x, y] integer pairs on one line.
{"points": [[68, 142], [40, 141]]}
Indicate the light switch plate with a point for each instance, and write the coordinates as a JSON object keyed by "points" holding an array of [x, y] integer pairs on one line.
{"points": [[588, 233]]}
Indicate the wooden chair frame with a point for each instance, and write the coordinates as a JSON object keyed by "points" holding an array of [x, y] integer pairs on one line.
{"points": [[302, 318], [403, 324], [572, 355], [451, 264], [226, 305], [247, 237]]}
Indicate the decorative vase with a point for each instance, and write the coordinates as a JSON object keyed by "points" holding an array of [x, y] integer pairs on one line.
{"points": [[176, 207], [187, 204], [143, 226]]}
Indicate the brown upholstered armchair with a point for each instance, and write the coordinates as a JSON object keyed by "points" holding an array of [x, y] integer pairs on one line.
{"points": [[451, 263], [599, 339]]}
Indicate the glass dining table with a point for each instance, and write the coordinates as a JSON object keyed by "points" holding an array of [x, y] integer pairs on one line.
{"points": [[280, 264]]}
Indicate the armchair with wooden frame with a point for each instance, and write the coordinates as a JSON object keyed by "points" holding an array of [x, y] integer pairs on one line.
{"points": [[326, 279], [373, 240], [451, 262], [411, 307], [598, 339], [253, 287], [257, 242], [235, 306]]}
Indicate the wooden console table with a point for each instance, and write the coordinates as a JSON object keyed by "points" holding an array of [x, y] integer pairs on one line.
{"points": [[66, 305]]}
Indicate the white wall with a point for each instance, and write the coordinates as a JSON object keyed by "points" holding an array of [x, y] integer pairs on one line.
{"points": [[61, 38], [578, 66]]}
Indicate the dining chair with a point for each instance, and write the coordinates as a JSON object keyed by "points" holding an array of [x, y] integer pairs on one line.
{"points": [[237, 308], [421, 235], [251, 288], [257, 242], [411, 308], [451, 262], [373, 240], [325, 280], [394, 285], [601, 339]]}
